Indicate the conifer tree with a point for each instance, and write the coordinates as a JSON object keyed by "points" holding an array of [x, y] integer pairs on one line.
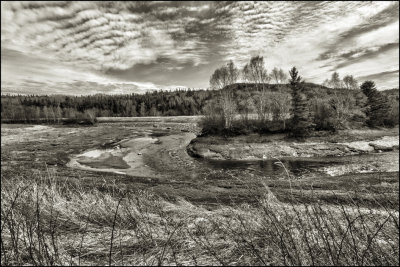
{"points": [[301, 119], [377, 106]]}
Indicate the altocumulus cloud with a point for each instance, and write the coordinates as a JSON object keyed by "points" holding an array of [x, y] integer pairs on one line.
{"points": [[123, 47]]}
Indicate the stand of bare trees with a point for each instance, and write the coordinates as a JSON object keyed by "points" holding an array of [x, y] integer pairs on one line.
{"points": [[348, 82], [278, 76], [267, 105], [342, 106], [281, 107], [222, 77], [256, 72]]}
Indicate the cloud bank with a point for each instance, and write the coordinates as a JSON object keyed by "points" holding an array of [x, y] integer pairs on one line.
{"points": [[70, 47]]}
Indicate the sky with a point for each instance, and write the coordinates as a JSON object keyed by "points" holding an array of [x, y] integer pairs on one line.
{"points": [[114, 47]]}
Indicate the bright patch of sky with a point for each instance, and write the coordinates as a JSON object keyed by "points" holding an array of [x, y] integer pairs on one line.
{"points": [[125, 47]]}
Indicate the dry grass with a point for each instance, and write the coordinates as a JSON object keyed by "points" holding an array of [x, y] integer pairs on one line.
{"points": [[45, 222]]}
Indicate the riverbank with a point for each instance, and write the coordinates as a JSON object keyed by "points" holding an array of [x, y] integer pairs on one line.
{"points": [[256, 147], [153, 156]]}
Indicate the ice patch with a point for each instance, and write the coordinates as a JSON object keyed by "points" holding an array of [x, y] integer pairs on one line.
{"points": [[360, 145], [387, 141], [38, 128], [368, 146], [93, 153], [359, 168]]}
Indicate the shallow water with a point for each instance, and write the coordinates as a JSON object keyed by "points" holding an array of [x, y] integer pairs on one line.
{"points": [[126, 157], [297, 167], [122, 157]]}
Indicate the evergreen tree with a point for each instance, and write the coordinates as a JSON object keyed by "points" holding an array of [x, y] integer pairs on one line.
{"points": [[46, 113], [142, 109], [37, 113], [301, 119], [58, 114], [377, 106]]}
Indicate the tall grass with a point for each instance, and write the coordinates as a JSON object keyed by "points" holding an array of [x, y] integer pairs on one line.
{"points": [[48, 222]]}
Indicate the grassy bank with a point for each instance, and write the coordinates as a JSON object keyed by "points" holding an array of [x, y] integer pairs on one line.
{"points": [[48, 222]]}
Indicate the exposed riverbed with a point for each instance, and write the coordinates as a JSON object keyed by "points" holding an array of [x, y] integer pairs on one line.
{"points": [[160, 153], [154, 156]]}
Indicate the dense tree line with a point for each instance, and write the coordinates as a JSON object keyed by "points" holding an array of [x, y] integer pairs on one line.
{"points": [[261, 102], [52, 108]]}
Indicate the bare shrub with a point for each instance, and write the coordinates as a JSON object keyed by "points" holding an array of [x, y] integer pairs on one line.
{"points": [[48, 222]]}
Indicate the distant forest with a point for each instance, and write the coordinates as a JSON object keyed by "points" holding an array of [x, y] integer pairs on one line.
{"points": [[51, 108], [157, 103]]}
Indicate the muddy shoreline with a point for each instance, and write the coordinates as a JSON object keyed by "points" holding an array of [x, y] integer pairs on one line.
{"points": [[166, 169], [239, 148], [166, 153], [150, 155]]}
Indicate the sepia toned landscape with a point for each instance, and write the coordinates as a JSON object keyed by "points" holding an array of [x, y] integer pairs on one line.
{"points": [[256, 159]]}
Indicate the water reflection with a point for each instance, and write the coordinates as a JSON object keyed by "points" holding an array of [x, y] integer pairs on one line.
{"points": [[273, 167]]}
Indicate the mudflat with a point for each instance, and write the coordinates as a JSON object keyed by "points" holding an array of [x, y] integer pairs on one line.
{"points": [[154, 156]]}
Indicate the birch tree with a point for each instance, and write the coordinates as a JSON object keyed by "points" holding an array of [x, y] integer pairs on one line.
{"points": [[220, 79], [256, 72]]}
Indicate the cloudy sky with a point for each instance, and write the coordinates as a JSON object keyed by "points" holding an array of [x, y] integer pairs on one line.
{"points": [[123, 47]]}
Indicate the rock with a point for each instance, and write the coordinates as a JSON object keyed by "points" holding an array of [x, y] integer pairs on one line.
{"points": [[359, 146], [321, 147], [386, 143], [381, 147], [204, 153]]}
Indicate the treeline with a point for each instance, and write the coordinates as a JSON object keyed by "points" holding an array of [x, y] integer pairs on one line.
{"points": [[241, 101], [297, 108], [50, 109]]}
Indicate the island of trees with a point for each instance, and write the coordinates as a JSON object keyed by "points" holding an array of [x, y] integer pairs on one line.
{"points": [[296, 107]]}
